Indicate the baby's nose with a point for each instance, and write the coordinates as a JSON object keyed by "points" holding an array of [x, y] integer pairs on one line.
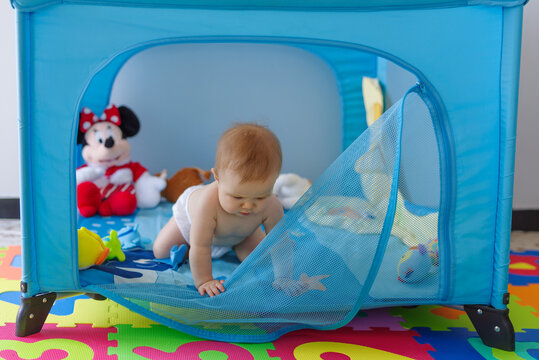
{"points": [[248, 205]]}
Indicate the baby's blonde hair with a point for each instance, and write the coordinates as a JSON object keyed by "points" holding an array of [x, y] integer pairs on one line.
{"points": [[251, 150]]}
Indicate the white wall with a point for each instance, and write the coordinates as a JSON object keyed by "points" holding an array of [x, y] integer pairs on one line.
{"points": [[526, 190], [527, 162], [201, 89], [9, 129]]}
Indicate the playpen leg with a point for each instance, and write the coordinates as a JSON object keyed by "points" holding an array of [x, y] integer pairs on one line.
{"points": [[32, 313], [493, 326]]}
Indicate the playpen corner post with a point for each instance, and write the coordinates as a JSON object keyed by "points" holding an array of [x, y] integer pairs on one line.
{"points": [[33, 312], [493, 326]]}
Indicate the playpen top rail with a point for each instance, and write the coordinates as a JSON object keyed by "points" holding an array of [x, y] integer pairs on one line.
{"points": [[304, 5]]}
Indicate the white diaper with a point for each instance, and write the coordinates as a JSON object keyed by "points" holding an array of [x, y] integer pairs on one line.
{"points": [[183, 220]]}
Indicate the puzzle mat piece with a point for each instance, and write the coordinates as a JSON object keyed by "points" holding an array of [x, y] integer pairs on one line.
{"points": [[527, 252], [61, 307], [63, 310], [195, 351], [463, 344], [526, 296], [433, 317], [341, 351], [68, 312], [429, 316], [103, 313], [448, 313], [534, 353], [451, 344], [521, 280], [526, 347], [217, 327], [521, 316], [524, 265], [231, 328], [161, 342], [82, 343], [9, 300], [10, 263], [524, 268], [375, 318], [379, 343]]}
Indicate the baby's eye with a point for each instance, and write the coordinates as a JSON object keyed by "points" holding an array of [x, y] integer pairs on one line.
{"points": [[237, 197], [262, 198]]}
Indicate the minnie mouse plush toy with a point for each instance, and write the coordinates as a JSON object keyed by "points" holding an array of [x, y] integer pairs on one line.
{"points": [[110, 183]]}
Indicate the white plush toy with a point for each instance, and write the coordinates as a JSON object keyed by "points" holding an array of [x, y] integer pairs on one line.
{"points": [[289, 188]]}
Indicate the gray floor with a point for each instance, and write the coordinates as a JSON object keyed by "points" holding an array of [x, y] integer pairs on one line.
{"points": [[10, 234]]}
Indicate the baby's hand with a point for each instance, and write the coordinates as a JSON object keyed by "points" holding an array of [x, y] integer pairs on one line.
{"points": [[212, 288]]}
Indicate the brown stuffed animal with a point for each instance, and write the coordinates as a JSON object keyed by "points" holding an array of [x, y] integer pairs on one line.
{"points": [[183, 179]]}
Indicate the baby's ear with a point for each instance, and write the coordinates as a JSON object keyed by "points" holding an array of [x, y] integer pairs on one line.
{"points": [[214, 172], [130, 124]]}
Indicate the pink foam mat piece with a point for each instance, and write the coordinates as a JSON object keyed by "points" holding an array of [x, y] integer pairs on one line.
{"points": [[377, 318], [82, 342]]}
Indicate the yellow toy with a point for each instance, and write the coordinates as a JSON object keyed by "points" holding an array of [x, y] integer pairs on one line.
{"points": [[94, 251]]}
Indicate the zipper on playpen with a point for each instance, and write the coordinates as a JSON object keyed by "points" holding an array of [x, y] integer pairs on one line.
{"points": [[446, 187]]}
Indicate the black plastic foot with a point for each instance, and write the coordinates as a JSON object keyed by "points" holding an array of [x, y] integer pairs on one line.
{"points": [[493, 326], [32, 313]]}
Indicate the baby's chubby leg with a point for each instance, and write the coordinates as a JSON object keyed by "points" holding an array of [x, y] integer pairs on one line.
{"points": [[169, 236], [247, 246]]}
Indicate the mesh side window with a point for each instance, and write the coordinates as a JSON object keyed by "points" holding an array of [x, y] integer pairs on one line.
{"points": [[410, 267]]}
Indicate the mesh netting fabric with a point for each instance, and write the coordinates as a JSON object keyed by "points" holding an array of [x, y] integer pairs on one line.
{"points": [[314, 269]]}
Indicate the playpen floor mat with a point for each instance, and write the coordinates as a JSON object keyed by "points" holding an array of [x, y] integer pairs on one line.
{"points": [[141, 267], [81, 328]]}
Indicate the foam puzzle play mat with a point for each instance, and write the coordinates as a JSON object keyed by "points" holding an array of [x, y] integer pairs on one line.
{"points": [[81, 328]]}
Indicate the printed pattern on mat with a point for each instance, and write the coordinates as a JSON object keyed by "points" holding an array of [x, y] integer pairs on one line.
{"points": [[81, 328]]}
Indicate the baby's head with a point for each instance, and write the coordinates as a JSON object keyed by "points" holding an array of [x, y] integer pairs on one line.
{"points": [[247, 164]]}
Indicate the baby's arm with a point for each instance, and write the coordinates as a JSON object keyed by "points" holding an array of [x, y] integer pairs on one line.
{"points": [[282, 253], [274, 214], [202, 229]]}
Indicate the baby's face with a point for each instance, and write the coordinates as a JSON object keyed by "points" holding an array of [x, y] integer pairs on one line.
{"points": [[244, 199]]}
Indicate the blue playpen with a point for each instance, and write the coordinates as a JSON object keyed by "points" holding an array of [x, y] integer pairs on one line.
{"points": [[413, 208]]}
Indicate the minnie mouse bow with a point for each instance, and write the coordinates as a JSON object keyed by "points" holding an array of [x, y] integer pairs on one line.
{"points": [[87, 118]]}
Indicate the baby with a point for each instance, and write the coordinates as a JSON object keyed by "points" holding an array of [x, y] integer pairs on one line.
{"points": [[227, 214]]}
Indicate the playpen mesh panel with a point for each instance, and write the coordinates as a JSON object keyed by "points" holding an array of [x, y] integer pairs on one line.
{"points": [[410, 265], [312, 270]]}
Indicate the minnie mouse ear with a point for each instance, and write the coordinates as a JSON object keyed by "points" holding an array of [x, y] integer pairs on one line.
{"points": [[80, 138], [130, 124], [83, 125]]}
